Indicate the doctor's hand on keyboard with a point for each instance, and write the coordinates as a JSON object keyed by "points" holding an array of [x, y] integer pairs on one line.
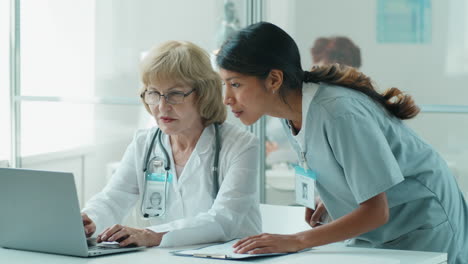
{"points": [[125, 236]]}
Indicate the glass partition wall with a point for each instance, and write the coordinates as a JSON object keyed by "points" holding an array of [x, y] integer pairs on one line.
{"points": [[74, 74], [404, 44]]}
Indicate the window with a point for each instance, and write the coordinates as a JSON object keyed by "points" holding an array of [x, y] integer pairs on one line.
{"points": [[80, 77], [57, 60], [4, 80]]}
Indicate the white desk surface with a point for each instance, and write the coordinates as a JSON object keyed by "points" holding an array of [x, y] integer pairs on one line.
{"points": [[330, 254]]}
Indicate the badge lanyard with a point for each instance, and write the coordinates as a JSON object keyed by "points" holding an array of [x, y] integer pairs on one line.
{"points": [[158, 177], [305, 177], [305, 182]]}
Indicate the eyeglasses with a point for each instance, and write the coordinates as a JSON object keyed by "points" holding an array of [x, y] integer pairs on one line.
{"points": [[173, 98]]}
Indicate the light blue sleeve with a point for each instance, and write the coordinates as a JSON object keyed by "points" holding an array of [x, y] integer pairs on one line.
{"points": [[362, 150]]}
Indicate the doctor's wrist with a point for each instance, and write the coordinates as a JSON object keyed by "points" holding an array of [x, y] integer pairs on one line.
{"points": [[154, 238]]}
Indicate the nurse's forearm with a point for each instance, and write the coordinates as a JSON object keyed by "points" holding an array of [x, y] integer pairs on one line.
{"points": [[370, 215]]}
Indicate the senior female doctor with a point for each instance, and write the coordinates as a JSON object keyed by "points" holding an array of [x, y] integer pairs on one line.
{"points": [[194, 176], [378, 180]]}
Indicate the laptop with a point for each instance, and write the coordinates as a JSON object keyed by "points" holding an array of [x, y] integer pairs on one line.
{"points": [[39, 211]]}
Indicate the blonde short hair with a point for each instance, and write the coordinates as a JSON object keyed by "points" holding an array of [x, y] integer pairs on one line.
{"points": [[185, 62]]}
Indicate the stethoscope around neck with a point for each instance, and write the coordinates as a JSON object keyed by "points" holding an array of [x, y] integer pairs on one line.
{"points": [[167, 165]]}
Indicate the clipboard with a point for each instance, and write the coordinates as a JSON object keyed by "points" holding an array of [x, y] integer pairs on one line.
{"points": [[221, 251]]}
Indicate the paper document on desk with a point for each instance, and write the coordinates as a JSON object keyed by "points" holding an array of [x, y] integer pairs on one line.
{"points": [[220, 251]]}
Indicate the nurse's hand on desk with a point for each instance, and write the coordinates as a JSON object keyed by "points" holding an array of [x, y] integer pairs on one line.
{"points": [[268, 243], [88, 224], [313, 217], [130, 236]]}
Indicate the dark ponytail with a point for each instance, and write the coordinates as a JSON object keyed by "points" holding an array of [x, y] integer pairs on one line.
{"points": [[396, 102], [262, 47]]}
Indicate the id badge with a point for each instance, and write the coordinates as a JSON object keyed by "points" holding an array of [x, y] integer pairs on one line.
{"points": [[305, 187], [154, 200]]}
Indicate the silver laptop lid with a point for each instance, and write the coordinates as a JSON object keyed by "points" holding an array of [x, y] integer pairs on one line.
{"points": [[40, 212]]}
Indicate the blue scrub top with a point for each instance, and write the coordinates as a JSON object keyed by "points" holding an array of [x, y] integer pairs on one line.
{"points": [[359, 150]]}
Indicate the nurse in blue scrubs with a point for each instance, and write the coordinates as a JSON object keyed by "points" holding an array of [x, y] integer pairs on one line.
{"points": [[379, 181]]}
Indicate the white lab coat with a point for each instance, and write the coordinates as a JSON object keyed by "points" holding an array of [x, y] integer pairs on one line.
{"points": [[193, 216]]}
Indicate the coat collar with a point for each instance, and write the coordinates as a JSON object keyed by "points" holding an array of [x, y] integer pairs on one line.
{"points": [[205, 142]]}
